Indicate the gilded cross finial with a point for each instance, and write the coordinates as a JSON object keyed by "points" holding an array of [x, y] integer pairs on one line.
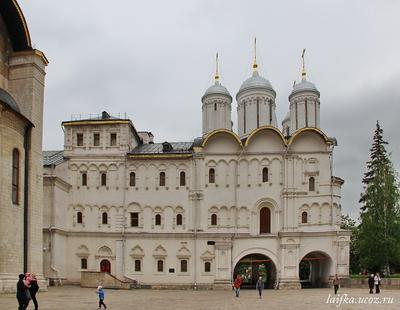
{"points": [[216, 77], [255, 66], [303, 70]]}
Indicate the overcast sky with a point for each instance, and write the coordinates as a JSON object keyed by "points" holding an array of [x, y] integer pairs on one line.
{"points": [[154, 60]]}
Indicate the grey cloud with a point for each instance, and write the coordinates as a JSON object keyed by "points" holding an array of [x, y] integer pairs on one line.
{"points": [[154, 59]]}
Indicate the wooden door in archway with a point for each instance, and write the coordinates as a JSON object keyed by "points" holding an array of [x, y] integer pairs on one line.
{"points": [[105, 266], [265, 220]]}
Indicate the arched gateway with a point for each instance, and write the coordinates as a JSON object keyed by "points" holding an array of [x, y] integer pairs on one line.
{"points": [[251, 266], [315, 269]]}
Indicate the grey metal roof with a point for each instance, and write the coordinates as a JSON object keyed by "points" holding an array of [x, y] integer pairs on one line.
{"points": [[157, 148], [8, 100], [304, 85], [53, 158], [217, 89], [256, 82]]}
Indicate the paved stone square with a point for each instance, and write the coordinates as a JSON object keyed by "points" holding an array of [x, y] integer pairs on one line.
{"points": [[74, 297]]}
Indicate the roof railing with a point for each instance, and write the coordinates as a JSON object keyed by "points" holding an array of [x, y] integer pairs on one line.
{"points": [[99, 116]]}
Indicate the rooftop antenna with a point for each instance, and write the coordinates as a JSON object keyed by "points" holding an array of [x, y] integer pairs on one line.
{"points": [[303, 71], [255, 66], [216, 77]]}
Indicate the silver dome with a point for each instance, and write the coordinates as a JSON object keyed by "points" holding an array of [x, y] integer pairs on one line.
{"points": [[304, 85], [256, 82], [216, 89]]}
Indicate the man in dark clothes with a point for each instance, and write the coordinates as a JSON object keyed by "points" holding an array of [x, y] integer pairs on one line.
{"points": [[371, 284], [22, 296]]}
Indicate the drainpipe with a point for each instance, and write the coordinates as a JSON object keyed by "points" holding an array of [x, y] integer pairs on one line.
{"points": [[196, 206], [27, 133], [124, 216]]}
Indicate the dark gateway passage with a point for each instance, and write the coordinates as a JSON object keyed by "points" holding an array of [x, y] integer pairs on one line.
{"points": [[252, 266]]}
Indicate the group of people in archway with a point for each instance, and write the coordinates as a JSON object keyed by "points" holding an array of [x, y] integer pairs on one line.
{"points": [[27, 287]]}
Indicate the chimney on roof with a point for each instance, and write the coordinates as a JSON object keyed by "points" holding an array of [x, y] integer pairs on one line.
{"points": [[105, 115]]}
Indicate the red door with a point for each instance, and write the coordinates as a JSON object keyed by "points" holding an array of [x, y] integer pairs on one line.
{"points": [[265, 221], [105, 266]]}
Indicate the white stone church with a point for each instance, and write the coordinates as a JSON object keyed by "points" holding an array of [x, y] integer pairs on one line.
{"points": [[262, 201]]}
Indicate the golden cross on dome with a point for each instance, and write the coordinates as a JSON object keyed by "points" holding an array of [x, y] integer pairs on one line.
{"points": [[303, 71], [216, 77], [255, 66]]}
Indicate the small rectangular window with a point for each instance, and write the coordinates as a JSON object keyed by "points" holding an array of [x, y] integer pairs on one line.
{"points": [[84, 179], [160, 266], [83, 263], [96, 139], [183, 265], [113, 139], [103, 179], [171, 270], [138, 265], [134, 219], [79, 139]]}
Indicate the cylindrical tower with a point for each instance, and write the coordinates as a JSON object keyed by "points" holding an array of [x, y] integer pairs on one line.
{"points": [[216, 107], [304, 104], [256, 103]]}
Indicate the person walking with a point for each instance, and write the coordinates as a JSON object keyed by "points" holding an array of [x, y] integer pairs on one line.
{"points": [[237, 283], [336, 283], [371, 283], [33, 289], [22, 293], [100, 292], [260, 286], [377, 282]]}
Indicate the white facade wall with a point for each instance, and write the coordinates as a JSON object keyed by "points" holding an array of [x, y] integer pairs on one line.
{"points": [[236, 197]]}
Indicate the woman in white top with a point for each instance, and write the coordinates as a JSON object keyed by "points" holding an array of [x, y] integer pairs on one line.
{"points": [[377, 282]]}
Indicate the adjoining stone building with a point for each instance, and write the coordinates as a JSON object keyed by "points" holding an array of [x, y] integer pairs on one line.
{"points": [[22, 72], [263, 201]]}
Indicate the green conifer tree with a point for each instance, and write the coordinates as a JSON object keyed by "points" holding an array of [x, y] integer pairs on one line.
{"points": [[379, 235]]}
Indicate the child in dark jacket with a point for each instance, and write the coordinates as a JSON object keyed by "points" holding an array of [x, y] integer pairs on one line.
{"points": [[100, 292]]}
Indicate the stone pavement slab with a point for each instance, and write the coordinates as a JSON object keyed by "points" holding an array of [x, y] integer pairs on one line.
{"points": [[76, 298]]}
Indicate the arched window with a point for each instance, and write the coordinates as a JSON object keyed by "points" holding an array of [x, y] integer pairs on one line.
{"points": [[103, 179], [132, 179], [213, 219], [104, 218], [265, 174], [179, 219], [79, 219], [162, 178], [138, 265], [84, 263], [304, 217], [182, 178], [84, 179], [183, 265], [160, 266], [105, 266], [211, 175], [215, 107], [311, 184], [15, 177], [158, 219], [265, 220], [207, 267]]}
